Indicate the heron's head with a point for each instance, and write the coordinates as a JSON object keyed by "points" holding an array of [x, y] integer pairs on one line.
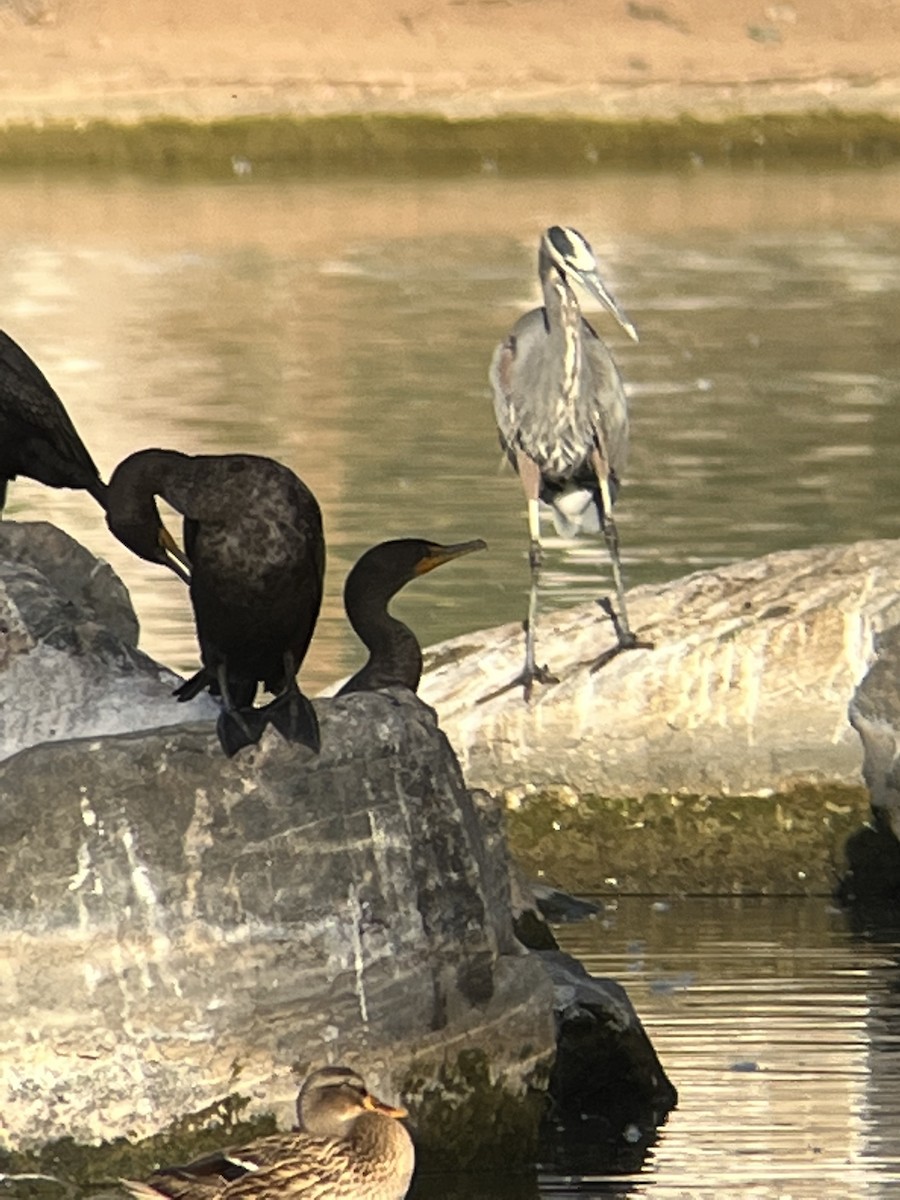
{"points": [[570, 252]]}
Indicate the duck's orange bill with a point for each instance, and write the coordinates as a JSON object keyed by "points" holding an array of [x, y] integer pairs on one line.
{"points": [[375, 1105]]}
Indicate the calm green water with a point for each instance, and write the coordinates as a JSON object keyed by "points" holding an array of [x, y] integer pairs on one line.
{"points": [[780, 1025], [346, 328]]}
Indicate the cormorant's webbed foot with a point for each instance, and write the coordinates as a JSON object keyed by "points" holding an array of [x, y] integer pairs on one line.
{"points": [[239, 727], [625, 638], [294, 717]]}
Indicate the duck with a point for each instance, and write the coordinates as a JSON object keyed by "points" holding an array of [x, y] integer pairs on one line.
{"points": [[395, 656], [255, 548], [350, 1146], [37, 436]]}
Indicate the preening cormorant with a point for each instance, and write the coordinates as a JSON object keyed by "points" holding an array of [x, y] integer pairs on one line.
{"points": [[562, 418], [253, 537], [395, 656], [37, 437]]}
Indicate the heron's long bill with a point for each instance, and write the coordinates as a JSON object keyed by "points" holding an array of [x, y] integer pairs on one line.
{"points": [[438, 555], [598, 288]]}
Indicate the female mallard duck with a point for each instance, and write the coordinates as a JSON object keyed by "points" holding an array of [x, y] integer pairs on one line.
{"points": [[351, 1146], [395, 656], [253, 536]]}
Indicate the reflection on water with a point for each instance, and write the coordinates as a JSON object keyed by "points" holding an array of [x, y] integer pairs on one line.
{"points": [[779, 1025], [346, 328]]}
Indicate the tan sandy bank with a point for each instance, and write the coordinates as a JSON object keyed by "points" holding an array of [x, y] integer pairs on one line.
{"points": [[609, 59]]}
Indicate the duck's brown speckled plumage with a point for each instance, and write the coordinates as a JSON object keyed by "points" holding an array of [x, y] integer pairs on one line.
{"points": [[366, 1154]]}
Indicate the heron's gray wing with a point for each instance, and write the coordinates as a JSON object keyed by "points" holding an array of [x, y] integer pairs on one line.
{"points": [[517, 376]]}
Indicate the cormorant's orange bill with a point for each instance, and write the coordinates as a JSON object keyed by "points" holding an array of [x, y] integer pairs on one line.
{"points": [[438, 555], [171, 550]]}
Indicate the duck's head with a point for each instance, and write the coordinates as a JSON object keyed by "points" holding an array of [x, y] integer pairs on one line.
{"points": [[332, 1098]]}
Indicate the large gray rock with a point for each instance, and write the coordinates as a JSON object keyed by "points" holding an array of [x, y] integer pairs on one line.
{"points": [[69, 663], [176, 926], [746, 689]]}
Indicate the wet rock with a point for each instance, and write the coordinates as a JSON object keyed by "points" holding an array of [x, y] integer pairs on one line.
{"points": [[873, 852], [745, 692], [69, 663], [609, 1089]]}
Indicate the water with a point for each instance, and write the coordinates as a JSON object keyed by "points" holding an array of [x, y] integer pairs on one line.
{"points": [[346, 328], [779, 1023]]}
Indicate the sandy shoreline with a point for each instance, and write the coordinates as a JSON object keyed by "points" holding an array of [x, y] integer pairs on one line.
{"points": [[76, 60]]}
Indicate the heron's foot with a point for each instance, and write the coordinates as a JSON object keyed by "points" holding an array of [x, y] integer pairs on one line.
{"points": [[239, 727], [626, 639], [526, 679]]}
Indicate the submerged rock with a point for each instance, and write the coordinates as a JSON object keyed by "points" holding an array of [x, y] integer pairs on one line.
{"points": [[69, 662], [745, 691]]}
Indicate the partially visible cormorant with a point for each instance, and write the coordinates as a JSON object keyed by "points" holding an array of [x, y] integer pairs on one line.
{"points": [[253, 536], [395, 657], [37, 437]]}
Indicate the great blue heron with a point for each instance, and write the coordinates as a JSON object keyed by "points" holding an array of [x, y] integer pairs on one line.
{"points": [[37, 437], [395, 656], [563, 420], [253, 536]]}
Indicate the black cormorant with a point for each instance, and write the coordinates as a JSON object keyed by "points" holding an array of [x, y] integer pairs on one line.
{"points": [[253, 537], [395, 657], [37, 437]]}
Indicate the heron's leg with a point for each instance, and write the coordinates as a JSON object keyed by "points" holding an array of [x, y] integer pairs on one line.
{"points": [[530, 475], [625, 638], [611, 536]]}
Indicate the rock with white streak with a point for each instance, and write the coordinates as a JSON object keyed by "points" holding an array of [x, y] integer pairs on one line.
{"points": [[69, 663], [745, 691]]}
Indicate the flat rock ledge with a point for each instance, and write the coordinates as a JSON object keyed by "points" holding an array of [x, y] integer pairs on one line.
{"points": [[745, 692]]}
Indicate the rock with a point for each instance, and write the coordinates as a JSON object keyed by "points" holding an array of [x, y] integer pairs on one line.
{"points": [[68, 631], [873, 853], [610, 1092], [177, 926], [745, 692]]}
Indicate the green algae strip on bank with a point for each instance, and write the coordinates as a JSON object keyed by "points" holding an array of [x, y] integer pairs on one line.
{"points": [[385, 144], [790, 844]]}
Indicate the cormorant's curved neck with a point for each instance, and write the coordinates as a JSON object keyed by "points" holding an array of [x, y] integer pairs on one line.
{"points": [[395, 657]]}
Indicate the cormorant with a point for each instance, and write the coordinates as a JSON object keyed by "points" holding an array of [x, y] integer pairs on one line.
{"points": [[37, 437], [253, 537], [395, 657]]}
